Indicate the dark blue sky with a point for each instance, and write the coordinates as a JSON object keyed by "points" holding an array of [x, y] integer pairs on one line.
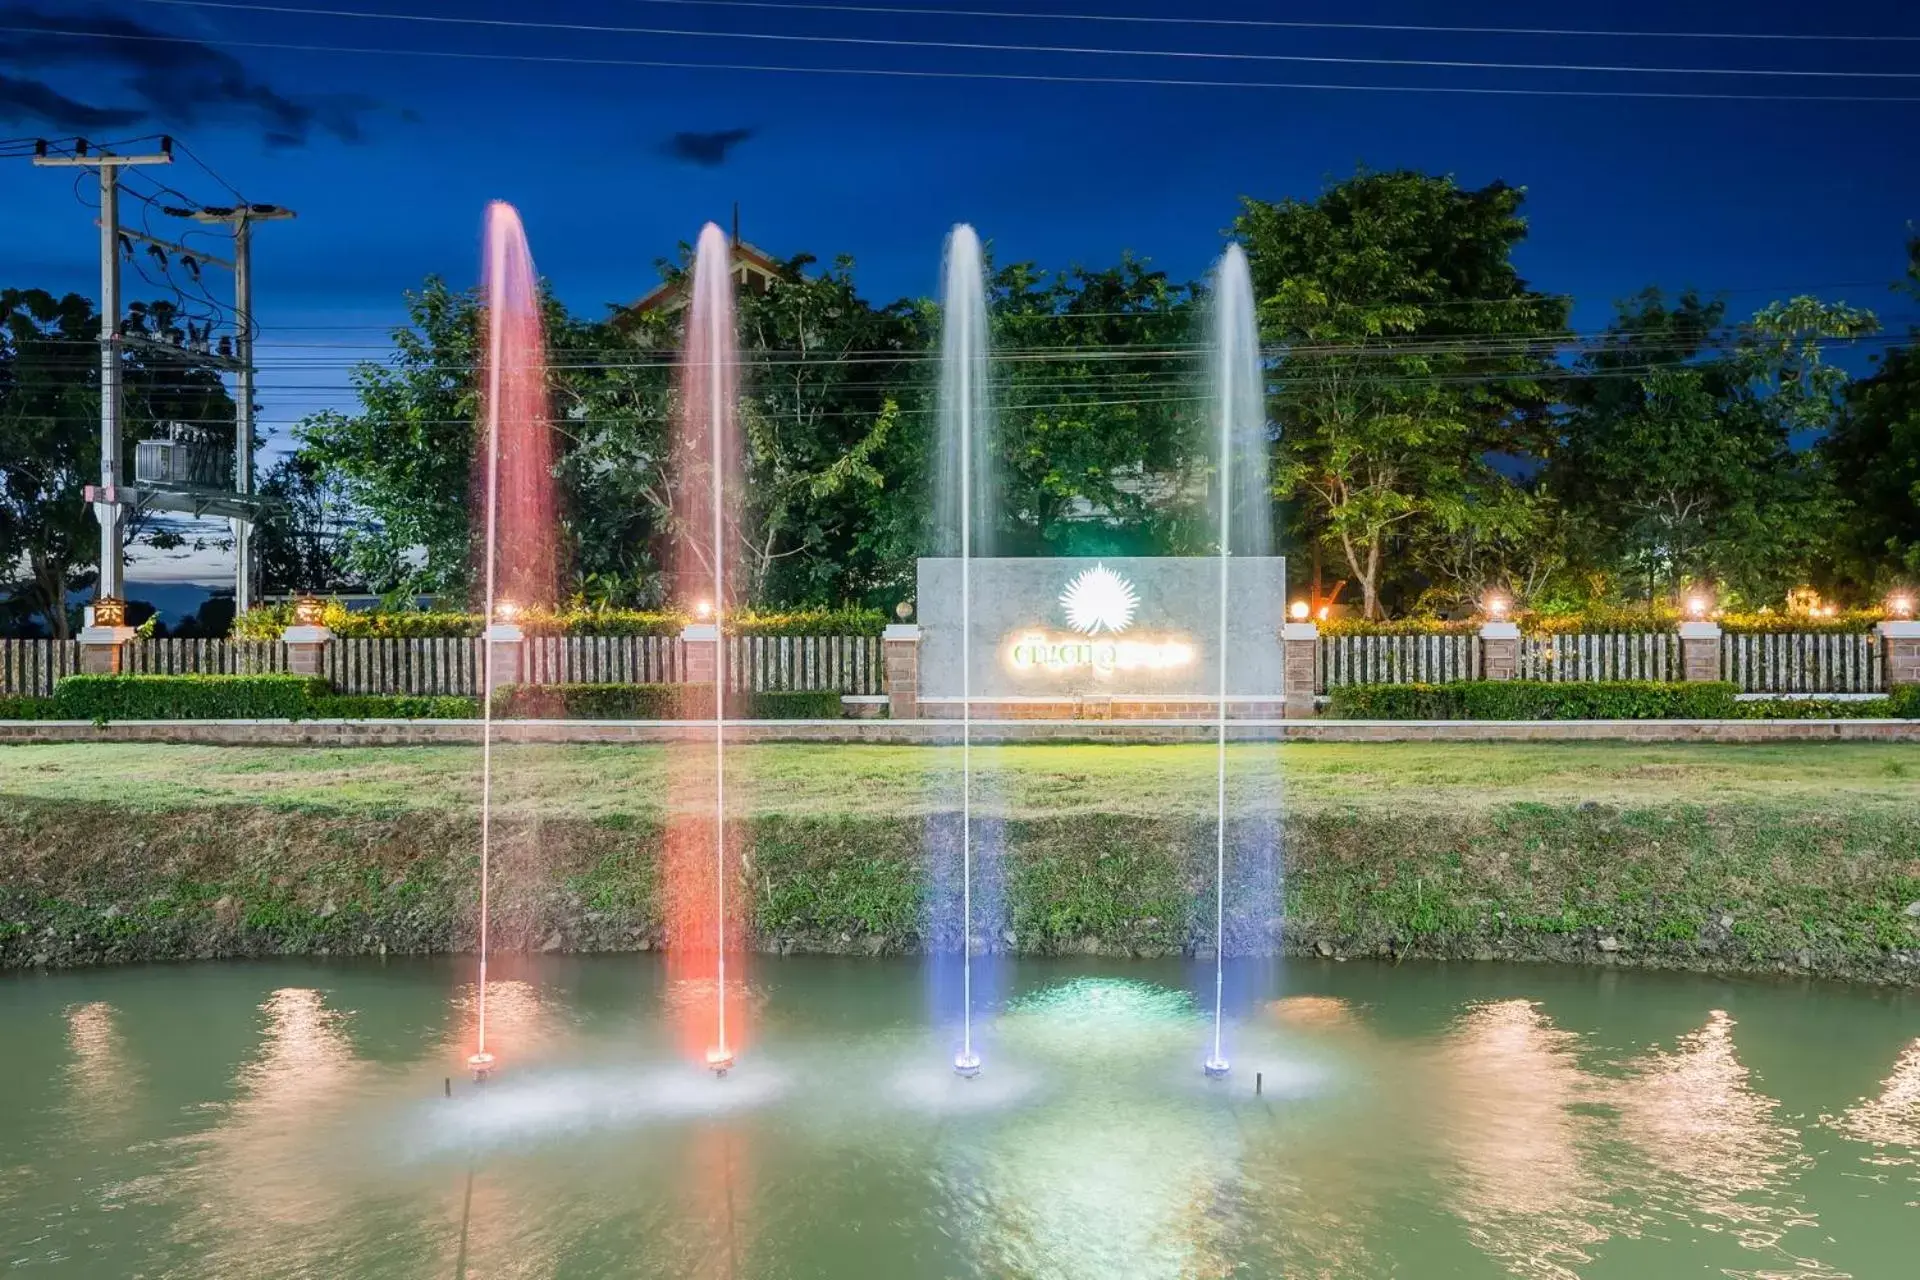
{"points": [[389, 158]]}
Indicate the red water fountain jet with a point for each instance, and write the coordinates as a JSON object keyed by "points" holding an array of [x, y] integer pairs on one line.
{"points": [[513, 480], [705, 899]]}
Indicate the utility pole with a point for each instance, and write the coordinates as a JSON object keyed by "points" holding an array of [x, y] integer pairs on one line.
{"points": [[241, 219], [109, 506]]}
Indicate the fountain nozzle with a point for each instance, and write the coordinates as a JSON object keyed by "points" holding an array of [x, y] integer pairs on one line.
{"points": [[481, 1064], [966, 1065], [1216, 1068], [719, 1061]]}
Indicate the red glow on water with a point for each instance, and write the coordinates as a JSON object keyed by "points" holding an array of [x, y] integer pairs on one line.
{"points": [[514, 408], [707, 903]]}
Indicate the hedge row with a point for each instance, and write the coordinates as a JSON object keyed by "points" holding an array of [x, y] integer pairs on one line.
{"points": [[1598, 700], [267, 622], [1613, 622], [657, 702]]}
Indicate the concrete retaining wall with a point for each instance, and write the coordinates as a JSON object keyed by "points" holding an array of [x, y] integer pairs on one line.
{"points": [[338, 733]]}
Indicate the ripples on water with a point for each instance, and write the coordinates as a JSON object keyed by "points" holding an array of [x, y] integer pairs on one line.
{"points": [[248, 1124]]}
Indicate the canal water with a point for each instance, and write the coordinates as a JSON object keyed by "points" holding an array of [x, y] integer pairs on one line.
{"points": [[310, 1119]]}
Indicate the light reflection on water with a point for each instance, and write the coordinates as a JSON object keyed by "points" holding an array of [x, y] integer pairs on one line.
{"points": [[1415, 1124]]}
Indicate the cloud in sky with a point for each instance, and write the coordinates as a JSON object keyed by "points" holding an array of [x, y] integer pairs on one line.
{"points": [[708, 150], [154, 78]]}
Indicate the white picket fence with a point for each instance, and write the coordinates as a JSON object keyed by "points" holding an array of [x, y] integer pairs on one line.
{"points": [[1601, 656], [1797, 663], [176, 657], [604, 660], [31, 666], [1396, 660], [440, 665], [844, 664]]}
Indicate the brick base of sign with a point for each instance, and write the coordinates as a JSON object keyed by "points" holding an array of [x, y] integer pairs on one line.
{"points": [[103, 650], [1903, 659], [1102, 708]]}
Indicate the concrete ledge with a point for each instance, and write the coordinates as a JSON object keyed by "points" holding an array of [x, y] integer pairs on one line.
{"points": [[371, 733]]}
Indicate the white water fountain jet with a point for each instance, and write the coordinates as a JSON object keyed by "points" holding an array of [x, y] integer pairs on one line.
{"points": [[514, 464], [964, 431], [1237, 398]]}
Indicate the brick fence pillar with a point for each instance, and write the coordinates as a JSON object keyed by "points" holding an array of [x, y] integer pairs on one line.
{"points": [[306, 650], [1299, 657], [1699, 651], [1902, 641], [900, 650], [1499, 650], [103, 641], [700, 656], [505, 657]]}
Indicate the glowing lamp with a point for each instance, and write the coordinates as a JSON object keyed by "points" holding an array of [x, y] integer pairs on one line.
{"points": [[703, 609], [505, 611], [1326, 611], [903, 610], [1298, 611], [1900, 606], [1497, 606], [1697, 606], [109, 611], [481, 1064], [966, 1065], [719, 1060], [1216, 1068], [309, 611]]}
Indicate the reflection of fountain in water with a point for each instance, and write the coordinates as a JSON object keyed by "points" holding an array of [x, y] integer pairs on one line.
{"points": [[1890, 1123], [100, 1084]]}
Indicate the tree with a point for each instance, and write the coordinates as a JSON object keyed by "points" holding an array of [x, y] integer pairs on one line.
{"points": [[1411, 354], [298, 544], [1873, 453], [1679, 443], [50, 435], [1095, 425]]}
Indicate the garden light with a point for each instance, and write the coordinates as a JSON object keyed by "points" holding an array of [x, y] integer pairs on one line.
{"points": [[1900, 606], [903, 610], [505, 611], [1698, 606], [1298, 611], [703, 609], [109, 611], [308, 611], [1497, 606]]}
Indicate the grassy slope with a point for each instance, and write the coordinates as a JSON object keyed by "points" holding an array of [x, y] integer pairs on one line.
{"points": [[1530, 850]]}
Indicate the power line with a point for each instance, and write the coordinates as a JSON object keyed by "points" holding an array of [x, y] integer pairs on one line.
{"points": [[893, 73], [971, 46], [1272, 23]]}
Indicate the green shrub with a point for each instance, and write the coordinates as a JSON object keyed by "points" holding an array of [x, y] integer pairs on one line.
{"points": [[1535, 700], [267, 622], [105, 698], [1904, 702], [655, 702], [790, 705], [380, 706], [25, 707]]}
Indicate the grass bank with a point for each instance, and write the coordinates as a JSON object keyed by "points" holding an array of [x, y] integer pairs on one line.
{"points": [[1803, 857]]}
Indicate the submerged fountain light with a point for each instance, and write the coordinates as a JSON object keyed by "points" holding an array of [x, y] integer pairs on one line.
{"points": [[966, 1064], [1216, 1068], [481, 1064], [719, 1060]]}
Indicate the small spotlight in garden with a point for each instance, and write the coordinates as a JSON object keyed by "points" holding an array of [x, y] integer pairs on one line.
{"points": [[109, 611], [1900, 606], [966, 1065], [1298, 610], [1497, 606], [1216, 1068], [309, 611]]}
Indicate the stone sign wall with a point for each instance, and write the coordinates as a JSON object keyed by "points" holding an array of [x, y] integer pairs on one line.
{"points": [[1126, 627]]}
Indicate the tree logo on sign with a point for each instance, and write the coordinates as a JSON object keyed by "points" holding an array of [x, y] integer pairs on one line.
{"points": [[1098, 599]]}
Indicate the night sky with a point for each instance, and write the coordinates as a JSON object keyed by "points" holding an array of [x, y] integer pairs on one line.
{"points": [[389, 158]]}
